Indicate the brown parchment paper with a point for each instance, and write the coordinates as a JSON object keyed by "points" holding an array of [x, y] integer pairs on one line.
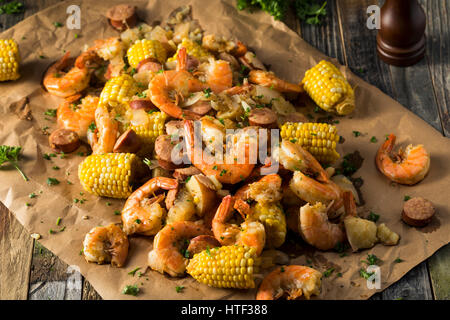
{"points": [[289, 56]]}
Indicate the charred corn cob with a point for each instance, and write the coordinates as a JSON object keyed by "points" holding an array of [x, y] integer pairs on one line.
{"points": [[146, 49], [9, 60], [109, 175], [320, 139], [271, 215], [225, 267], [118, 92], [326, 85], [193, 49]]}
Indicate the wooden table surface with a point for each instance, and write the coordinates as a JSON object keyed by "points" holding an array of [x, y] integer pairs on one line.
{"points": [[29, 271]]}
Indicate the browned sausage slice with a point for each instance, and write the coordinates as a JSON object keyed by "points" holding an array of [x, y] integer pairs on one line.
{"points": [[263, 117], [145, 104], [122, 16], [418, 212], [149, 65], [64, 140], [201, 107], [201, 243], [181, 174], [128, 142]]}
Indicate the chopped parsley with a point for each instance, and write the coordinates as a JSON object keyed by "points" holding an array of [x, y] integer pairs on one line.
{"points": [[406, 198], [50, 112], [374, 139], [398, 260], [364, 274], [32, 195], [356, 133], [117, 212], [282, 269], [55, 168], [328, 272], [58, 221], [57, 24], [52, 181], [132, 290], [11, 155], [148, 162], [207, 92], [133, 272], [138, 221], [371, 260], [373, 216], [92, 126], [178, 289]]}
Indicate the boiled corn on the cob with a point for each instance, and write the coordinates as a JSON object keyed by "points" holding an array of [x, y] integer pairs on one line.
{"points": [[118, 92], [271, 215], [193, 49], [320, 139], [109, 175], [326, 85], [225, 267], [153, 128], [146, 49], [9, 60]]}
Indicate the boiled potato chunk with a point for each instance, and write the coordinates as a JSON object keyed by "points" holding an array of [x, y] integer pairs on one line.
{"points": [[387, 236], [203, 193], [361, 233], [183, 208]]}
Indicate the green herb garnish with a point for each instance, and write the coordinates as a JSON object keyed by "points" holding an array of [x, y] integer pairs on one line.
{"points": [[328, 272], [52, 181], [133, 272], [11, 155], [50, 112], [178, 289], [373, 216], [406, 198], [132, 290], [371, 260]]}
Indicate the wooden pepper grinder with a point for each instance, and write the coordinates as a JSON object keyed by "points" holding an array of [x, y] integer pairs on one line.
{"points": [[401, 38]]}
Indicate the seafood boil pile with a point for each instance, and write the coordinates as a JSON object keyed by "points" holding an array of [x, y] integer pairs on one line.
{"points": [[211, 156]]}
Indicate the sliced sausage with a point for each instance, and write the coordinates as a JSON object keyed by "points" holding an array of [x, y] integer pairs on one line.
{"points": [[181, 174], [64, 140], [201, 243], [164, 146], [145, 104], [418, 212], [201, 107], [167, 165], [263, 117], [170, 198], [148, 65], [191, 62], [122, 16], [128, 142], [175, 127]]}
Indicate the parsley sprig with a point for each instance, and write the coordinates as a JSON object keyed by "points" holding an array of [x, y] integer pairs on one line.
{"points": [[11, 155]]}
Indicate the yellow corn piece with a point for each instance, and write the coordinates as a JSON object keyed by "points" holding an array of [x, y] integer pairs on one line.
{"points": [[9, 60], [271, 215], [149, 131], [146, 49], [109, 175], [118, 92], [326, 85], [320, 139], [193, 49], [225, 267]]}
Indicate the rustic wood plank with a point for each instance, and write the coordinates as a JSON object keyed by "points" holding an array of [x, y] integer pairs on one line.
{"points": [[360, 44], [51, 278], [415, 285], [89, 292], [414, 89], [360, 54], [16, 246], [326, 37], [439, 267], [438, 51]]}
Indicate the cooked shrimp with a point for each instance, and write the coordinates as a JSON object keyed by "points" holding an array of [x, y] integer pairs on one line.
{"points": [[166, 255], [142, 213], [250, 233], [293, 157], [268, 79], [62, 84], [224, 172], [313, 191], [265, 190], [409, 167], [296, 281], [106, 244], [107, 128], [77, 117], [166, 88], [218, 75], [317, 230]]}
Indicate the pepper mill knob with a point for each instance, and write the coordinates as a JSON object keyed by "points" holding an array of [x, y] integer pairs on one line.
{"points": [[401, 38]]}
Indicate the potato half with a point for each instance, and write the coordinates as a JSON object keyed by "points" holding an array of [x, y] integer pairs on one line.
{"points": [[361, 233], [203, 192]]}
